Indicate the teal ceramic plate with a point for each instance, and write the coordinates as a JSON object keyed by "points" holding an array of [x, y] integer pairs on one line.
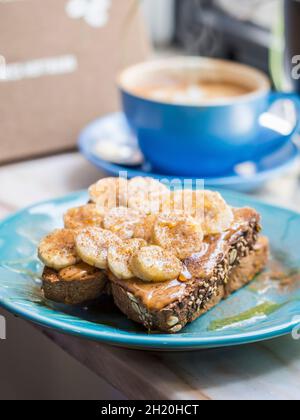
{"points": [[266, 309]]}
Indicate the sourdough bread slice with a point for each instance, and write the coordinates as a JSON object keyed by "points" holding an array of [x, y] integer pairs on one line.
{"points": [[220, 269]]}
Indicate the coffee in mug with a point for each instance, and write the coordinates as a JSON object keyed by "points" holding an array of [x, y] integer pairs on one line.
{"points": [[193, 93]]}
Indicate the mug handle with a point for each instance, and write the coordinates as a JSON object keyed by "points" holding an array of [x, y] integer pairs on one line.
{"points": [[292, 97]]}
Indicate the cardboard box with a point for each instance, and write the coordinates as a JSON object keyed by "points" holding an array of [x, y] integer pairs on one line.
{"points": [[58, 64]]}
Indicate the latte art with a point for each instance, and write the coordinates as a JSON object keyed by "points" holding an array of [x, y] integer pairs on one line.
{"points": [[194, 93]]}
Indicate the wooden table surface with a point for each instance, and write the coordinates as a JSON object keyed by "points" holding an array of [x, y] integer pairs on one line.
{"points": [[269, 370]]}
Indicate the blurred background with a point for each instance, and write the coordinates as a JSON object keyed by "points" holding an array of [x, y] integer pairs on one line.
{"points": [[248, 31], [238, 30], [33, 123]]}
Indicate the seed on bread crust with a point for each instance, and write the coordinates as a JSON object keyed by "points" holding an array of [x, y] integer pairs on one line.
{"points": [[233, 256], [172, 321], [176, 329], [132, 297]]}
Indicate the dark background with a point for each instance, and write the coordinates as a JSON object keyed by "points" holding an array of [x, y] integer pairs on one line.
{"points": [[204, 28]]}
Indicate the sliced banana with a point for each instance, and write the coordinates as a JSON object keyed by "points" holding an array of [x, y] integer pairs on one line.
{"points": [[123, 221], [84, 216], [146, 195], [92, 246], [186, 202], [108, 193], [119, 257], [58, 249], [218, 215], [144, 229], [155, 264], [180, 234], [206, 206]]}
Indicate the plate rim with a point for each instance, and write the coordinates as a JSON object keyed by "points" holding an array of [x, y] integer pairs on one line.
{"points": [[142, 340]]}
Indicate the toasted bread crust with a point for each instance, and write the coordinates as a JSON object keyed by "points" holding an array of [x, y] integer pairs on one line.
{"points": [[73, 292], [174, 317], [229, 261], [181, 303]]}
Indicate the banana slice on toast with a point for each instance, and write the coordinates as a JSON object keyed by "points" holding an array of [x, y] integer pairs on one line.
{"points": [[119, 257], [146, 195], [180, 234], [109, 193], [144, 229], [218, 215], [123, 221], [57, 250], [82, 217], [92, 246], [188, 202], [155, 264], [209, 207]]}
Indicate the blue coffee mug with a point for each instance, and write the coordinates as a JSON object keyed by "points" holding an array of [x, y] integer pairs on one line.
{"points": [[208, 139]]}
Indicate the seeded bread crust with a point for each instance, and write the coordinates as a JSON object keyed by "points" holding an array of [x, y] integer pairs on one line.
{"points": [[242, 274], [75, 292], [203, 298], [201, 293]]}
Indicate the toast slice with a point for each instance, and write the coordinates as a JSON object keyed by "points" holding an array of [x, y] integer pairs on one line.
{"points": [[228, 262], [74, 285], [243, 273]]}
